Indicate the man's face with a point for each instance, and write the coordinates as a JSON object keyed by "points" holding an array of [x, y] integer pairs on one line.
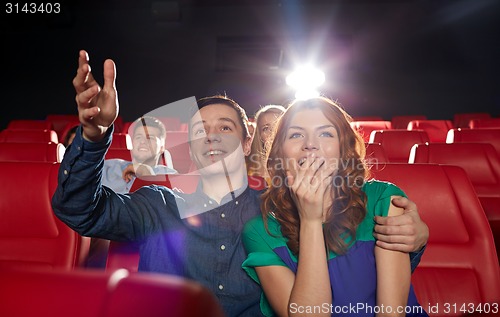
{"points": [[147, 145], [216, 138]]}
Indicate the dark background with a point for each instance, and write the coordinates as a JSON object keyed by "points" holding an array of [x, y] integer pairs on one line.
{"points": [[430, 57]]}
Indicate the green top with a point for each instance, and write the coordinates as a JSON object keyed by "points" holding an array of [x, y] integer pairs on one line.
{"points": [[261, 246]]}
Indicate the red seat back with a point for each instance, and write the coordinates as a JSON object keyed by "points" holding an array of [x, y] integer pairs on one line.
{"points": [[30, 124], [123, 154], [177, 143], [482, 166], [401, 122], [375, 153], [366, 127], [31, 152], [479, 160], [28, 136], [486, 135], [60, 122], [121, 141], [256, 182], [460, 265], [367, 118], [171, 123], [86, 293], [398, 143], [436, 129], [484, 123], [30, 234], [461, 120]]}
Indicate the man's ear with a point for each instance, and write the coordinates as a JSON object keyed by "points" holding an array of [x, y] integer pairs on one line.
{"points": [[247, 146]]}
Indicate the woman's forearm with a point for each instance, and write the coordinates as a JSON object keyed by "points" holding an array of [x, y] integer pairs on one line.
{"points": [[311, 289]]}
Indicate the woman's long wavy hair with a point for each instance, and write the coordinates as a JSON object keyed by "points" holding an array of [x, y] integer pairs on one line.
{"points": [[349, 201]]}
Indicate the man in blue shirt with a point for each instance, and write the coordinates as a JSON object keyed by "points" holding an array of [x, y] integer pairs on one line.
{"points": [[197, 236], [148, 147]]}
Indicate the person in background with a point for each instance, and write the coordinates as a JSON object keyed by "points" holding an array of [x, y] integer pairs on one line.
{"points": [[68, 138], [265, 119], [313, 245], [148, 146]]}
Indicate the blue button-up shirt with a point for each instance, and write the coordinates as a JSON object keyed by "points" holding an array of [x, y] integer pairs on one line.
{"points": [[206, 247]]}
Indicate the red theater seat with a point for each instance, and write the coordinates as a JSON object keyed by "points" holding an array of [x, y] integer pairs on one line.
{"points": [[121, 141], [96, 294], [171, 123], [398, 143], [436, 129], [28, 136], [60, 122], [461, 120], [177, 144], [368, 118], [481, 164], [30, 124], [123, 154], [366, 127], [401, 122], [486, 135], [375, 153], [30, 233], [31, 152], [460, 265], [484, 123]]}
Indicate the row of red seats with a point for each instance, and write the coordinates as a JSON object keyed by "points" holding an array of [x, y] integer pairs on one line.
{"points": [[398, 143], [62, 124], [85, 293], [460, 120], [436, 129], [459, 253]]}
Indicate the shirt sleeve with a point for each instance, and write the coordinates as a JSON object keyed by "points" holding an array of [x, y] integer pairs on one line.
{"points": [[94, 210], [382, 209], [259, 246]]}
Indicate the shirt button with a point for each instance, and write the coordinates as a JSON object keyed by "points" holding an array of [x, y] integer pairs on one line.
{"points": [[205, 205], [79, 148], [223, 247], [221, 287], [210, 202], [65, 172], [223, 215], [236, 202]]}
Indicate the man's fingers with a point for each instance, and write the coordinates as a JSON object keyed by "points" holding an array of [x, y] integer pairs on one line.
{"points": [[90, 113], [83, 58], [400, 220], [83, 78], [404, 203], [395, 230], [85, 97], [394, 247], [109, 74]]}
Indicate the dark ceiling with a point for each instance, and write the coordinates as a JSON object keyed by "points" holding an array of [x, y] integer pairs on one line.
{"points": [[380, 57]]}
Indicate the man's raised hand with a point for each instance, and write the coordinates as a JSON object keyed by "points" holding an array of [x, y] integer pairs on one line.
{"points": [[97, 107]]}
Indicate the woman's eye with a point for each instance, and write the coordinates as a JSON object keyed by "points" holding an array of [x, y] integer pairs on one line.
{"points": [[326, 134], [265, 129], [225, 128], [199, 131], [295, 135]]}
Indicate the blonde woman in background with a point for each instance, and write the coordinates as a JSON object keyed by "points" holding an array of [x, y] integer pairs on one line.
{"points": [[265, 119]]}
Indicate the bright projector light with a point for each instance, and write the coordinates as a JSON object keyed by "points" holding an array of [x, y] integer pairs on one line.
{"points": [[304, 94], [305, 77]]}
